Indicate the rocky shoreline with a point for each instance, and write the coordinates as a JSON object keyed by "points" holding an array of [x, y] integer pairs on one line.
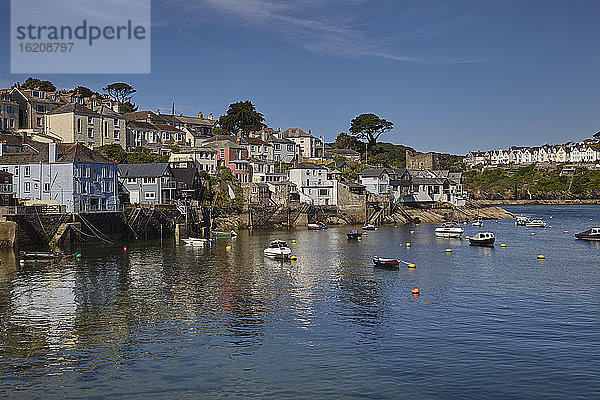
{"points": [[403, 216], [536, 202]]}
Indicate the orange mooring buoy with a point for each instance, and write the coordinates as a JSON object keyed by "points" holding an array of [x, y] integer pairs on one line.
{"points": [[415, 290], [124, 248]]}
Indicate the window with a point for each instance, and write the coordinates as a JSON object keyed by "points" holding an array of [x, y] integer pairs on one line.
{"points": [[323, 192], [131, 181], [46, 187], [290, 147], [150, 195], [107, 186], [10, 109], [11, 123], [82, 187], [106, 132], [149, 180], [39, 121], [91, 133], [27, 187], [90, 120], [277, 147], [116, 134], [40, 109], [78, 125], [17, 170], [27, 171], [116, 122]]}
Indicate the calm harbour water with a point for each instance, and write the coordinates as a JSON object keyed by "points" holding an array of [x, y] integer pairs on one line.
{"points": [[166, 321]]}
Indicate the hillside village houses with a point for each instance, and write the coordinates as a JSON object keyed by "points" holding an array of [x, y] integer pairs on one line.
{"points": [[584, 152], [55, 130]]}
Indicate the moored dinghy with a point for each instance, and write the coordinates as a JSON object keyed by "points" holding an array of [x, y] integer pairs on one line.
{"points": [[369, 227], [482, 239], [316, 226], [386, 262], [590, 234]]}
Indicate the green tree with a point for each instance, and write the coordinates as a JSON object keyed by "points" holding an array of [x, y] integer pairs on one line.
{"points": [[119, 92], [369, 127], [241, 116], [34, 83], [86, 92], [127, 107], [345, 141]]}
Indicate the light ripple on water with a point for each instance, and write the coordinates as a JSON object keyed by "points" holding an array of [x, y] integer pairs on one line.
{"points": [[169, 321]]}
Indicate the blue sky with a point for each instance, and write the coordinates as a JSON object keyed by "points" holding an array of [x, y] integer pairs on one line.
{"points": [[453, 76]]}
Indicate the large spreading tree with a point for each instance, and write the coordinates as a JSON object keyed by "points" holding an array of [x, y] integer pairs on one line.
{"points": [[369, 127], [119, 91], [37, 84], [241, 116]]}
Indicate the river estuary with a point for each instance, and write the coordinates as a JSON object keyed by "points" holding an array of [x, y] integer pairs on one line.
{"points": [[167, 321]]}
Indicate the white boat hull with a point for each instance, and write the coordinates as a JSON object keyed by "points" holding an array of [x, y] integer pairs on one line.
{"points": [[196, 242], [448, 234], [278, 253]]}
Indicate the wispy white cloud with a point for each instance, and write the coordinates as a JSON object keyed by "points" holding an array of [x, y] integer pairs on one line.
{"points": [[341, 33]]}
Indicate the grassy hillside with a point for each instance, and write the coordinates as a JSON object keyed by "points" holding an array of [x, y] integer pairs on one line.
{"points": [[531, 183]]}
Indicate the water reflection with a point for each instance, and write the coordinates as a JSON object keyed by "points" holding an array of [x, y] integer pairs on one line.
{"points": [[175, 320]]}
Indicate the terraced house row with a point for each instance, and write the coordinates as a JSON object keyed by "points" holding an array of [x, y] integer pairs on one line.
{"points": [[584, 152]]}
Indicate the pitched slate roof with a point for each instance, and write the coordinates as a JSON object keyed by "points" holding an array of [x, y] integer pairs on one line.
{"points": [[73, 108], [142, 125], [103, 110], [36, 152], [184, 175], [144, 170], [189, 120]]}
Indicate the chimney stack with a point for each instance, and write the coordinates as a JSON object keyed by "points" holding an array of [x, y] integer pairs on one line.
{"points": [[200, 115], [90, 104], [52, 152], [210, 116]]}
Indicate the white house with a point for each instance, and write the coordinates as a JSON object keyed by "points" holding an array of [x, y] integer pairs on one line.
{"points": [[315, 184]]}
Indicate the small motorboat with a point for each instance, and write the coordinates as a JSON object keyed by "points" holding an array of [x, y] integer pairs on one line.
{"points": [[278, 249], [536, 223], [354, 234], [482, 239], [386, 262], [521, 220], [590, 234], [231, 233], [40, 256], [478, 222], [369, 227], [449, 230], [192, 241], [316, 226]]}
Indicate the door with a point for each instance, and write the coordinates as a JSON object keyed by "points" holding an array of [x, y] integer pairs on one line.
{"points": [[134, 196]]}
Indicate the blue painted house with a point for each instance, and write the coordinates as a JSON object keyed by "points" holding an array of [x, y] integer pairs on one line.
{"points": [[69, 174]]}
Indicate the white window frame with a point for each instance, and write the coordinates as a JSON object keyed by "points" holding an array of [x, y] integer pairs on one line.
{"points": [[150, 195]]}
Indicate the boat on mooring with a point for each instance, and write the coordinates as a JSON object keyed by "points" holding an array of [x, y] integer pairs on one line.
{"points": [[386, 262], [278, 250], [369, 227], [521, 220], [316, 226], [200, 242], [40, 256], [478, 222], [482, 239], [536, 223], [354, 234], [590, 234], [449, 230], [231, 233]]}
